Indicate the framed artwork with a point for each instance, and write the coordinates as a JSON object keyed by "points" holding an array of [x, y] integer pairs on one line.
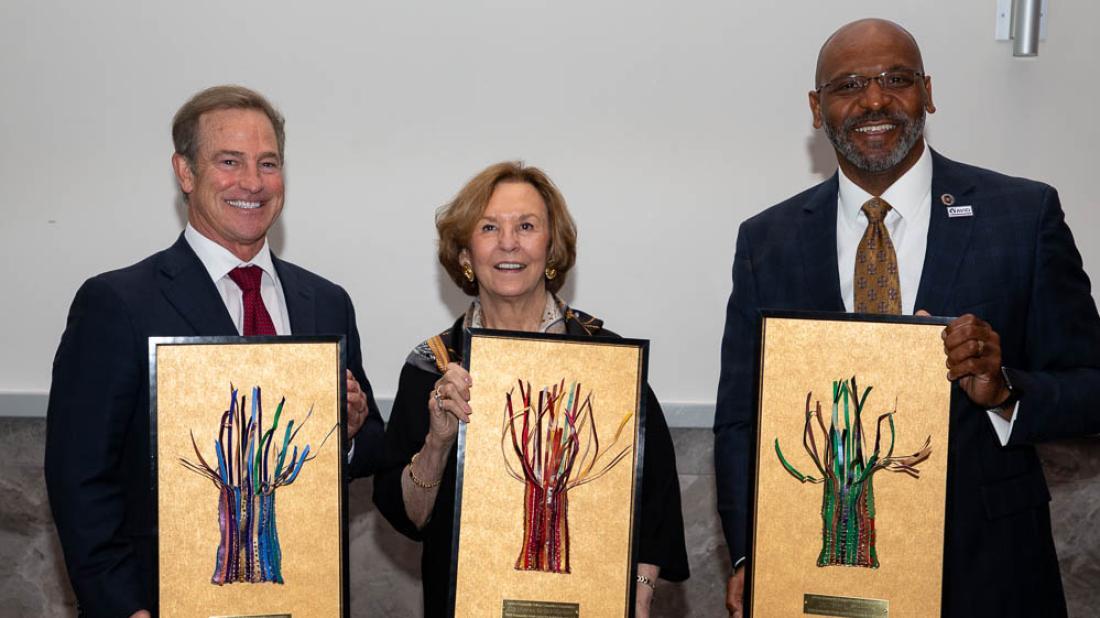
{"points": [[850, 466], [549, 472], [249, 453]]}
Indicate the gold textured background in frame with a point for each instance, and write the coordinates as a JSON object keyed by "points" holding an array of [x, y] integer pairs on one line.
{"points": [[491, 510], [192, 392], [900, 360]]}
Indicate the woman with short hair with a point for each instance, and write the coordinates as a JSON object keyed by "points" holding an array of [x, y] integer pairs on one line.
{"points": [[508, 240]]}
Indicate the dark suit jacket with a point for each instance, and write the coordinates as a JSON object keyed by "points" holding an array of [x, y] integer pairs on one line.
{"points": [[1014, 264], [97, 428]]}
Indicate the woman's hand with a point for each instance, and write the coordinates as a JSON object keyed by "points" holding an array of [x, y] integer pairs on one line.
{"points": [[448, 403], [643, 593]]}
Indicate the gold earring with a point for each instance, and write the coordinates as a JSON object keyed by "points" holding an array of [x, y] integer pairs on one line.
{"points": [[468, 272], [551, 272]]}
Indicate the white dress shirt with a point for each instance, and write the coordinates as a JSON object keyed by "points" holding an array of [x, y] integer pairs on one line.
{"points": [[218, 261], [910, 198]]}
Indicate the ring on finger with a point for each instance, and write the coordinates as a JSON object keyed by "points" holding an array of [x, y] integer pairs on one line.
{"points": [[438, 400], [981, 347]]}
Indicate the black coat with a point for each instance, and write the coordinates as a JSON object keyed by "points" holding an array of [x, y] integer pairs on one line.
{"points": [[661, 540]]}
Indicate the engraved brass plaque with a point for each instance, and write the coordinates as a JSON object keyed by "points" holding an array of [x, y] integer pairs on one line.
{"points": [[847, 607], [255, 616], [539, 609]]}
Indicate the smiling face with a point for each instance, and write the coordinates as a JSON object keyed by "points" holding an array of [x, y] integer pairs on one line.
{"points": [[877, 133], [509, 245], [234, 187]]}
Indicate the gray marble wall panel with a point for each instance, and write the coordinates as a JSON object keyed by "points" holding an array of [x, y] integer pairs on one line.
{"points": [[385, 565], [32, 573], [1072, 469]]}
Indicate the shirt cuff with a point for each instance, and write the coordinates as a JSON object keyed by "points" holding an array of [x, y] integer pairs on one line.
{"points": [[1001, 427], [351, 451]]}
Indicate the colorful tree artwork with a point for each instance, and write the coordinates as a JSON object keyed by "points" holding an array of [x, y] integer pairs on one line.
{"points": [[847, 471], [557, 445], [250, 467]]}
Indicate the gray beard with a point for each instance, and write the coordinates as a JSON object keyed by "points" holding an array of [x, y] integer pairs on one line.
{"points": [[911, 132]]}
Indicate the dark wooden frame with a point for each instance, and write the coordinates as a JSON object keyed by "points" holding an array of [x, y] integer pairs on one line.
{"points": [[340, 343], [639, 444], [755, 453]]}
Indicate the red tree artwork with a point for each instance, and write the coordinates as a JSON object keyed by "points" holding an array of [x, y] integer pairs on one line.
{"points": [[555, 442]]}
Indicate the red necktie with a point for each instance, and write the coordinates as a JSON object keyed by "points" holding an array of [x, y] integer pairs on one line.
{"points": [[257, 321]]}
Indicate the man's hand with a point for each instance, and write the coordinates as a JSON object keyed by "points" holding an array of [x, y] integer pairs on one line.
{"points": [[735, 593], [973, 351], [141, 613], [357, 406]]}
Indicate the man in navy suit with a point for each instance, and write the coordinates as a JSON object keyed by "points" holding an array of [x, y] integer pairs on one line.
{"points": [[229, 163], [1024, 357]]}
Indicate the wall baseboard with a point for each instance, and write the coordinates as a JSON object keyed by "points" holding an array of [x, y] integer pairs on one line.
{"points": [[23, 404]]}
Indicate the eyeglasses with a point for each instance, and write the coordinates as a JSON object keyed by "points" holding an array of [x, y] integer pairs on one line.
{"points": [[890, 81]]}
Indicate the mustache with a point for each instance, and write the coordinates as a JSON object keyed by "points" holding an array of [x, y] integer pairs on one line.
{"points": [[898, 118]]}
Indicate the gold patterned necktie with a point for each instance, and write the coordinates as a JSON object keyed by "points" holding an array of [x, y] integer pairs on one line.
{"points": [[877, 288]]}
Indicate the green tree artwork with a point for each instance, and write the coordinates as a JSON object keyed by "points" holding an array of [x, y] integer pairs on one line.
{"points": [[847, 468]]}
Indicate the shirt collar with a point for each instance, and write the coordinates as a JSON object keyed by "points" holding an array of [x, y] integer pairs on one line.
{"points": [[218, 260], [553, 315], [904, 196]]}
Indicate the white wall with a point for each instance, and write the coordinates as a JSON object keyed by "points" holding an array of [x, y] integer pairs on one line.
{"points": [[665, 124]]}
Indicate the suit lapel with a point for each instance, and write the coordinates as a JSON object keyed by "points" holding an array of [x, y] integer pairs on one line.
{"points": [[185, 283], [817, 239], [299, 299], [948, 237]]}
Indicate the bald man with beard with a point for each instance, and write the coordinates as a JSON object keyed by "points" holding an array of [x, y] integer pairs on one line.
{"points": [[1023, 357]]}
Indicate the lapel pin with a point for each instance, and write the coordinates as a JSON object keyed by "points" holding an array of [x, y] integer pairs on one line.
{"points": [[955, 211]]}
